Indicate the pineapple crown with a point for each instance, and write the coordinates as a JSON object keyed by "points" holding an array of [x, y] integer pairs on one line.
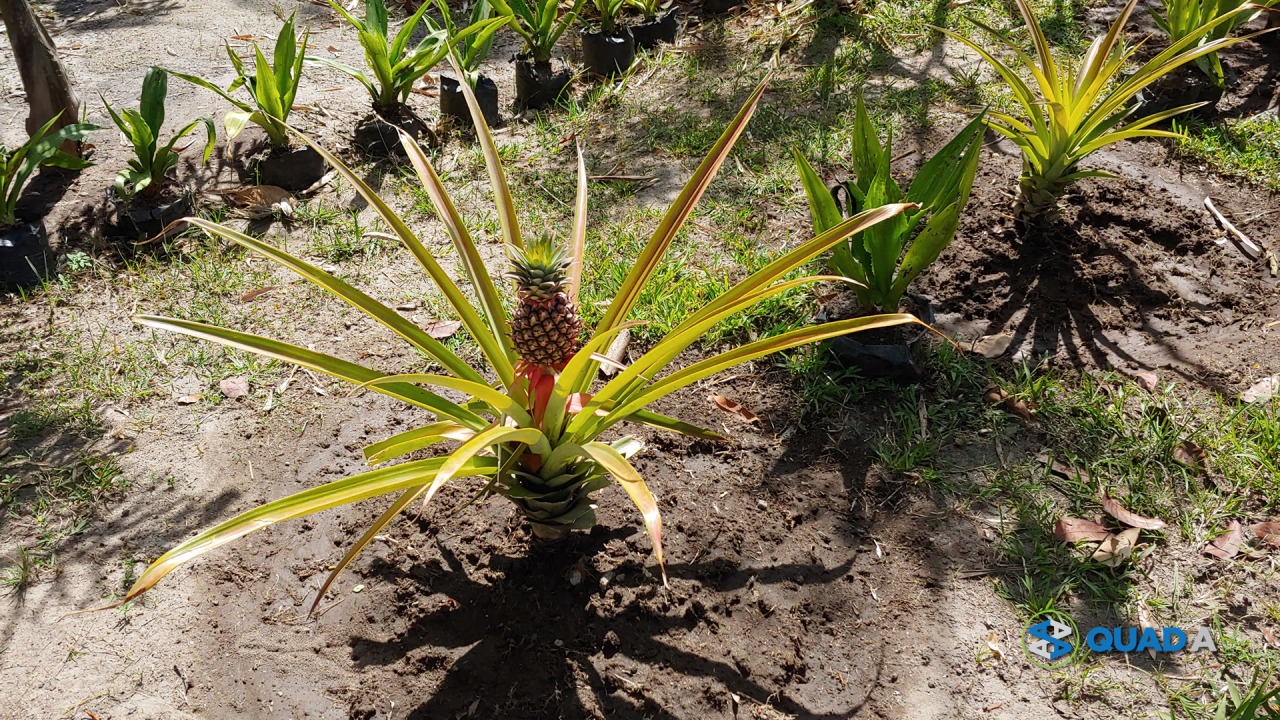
{"points": [[540, 268]]}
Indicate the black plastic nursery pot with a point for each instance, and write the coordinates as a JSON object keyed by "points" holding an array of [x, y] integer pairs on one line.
{"points": [[292, 168], [608, 54], [376, 136], [885, 353], [144, 220], [538, 85], [24, 255], [651, 33], [453, 103]]}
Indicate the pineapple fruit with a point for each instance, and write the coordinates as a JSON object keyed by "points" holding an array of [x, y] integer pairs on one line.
{"points": [[545, 326]]}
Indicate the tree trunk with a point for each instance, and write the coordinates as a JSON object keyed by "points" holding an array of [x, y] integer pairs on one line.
{"points": [[44, 78]]}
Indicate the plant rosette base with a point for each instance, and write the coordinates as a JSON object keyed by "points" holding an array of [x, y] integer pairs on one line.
{"points": [[1185, 86], [606, 54], [146, 218], [376, 136], [651, 33], [453, 103], [24, 255], [538, 85]]}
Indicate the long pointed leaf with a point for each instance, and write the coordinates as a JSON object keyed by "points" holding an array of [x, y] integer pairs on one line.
{"points": [[647, 262], [410, 440], [387, 317], [330, 495], [498, 358], [369, 534], [310, 359], [637, 490]]}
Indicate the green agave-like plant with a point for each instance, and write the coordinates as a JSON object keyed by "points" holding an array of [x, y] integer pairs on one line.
{"points": [[152, 161], [393, 65], [272, 86], [42, 148], [875, 257], [472, 46], [1182, 18], [609, 11], [531, 432], [539, 23], [1074, 111]]}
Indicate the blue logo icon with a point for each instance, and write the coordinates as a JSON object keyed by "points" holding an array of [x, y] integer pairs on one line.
{"points": [[1048, 640]]}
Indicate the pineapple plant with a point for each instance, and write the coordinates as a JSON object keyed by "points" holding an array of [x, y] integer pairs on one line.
{"points": [[531, 428]]}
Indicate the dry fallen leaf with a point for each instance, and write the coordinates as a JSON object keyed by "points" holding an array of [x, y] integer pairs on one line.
{"points": [[260, 196], [1069, 529], [249, 296], [247, 38], [1147, 380], [734, 408], [441, 329], [996, 395], [993, 346], [1144, 619], [1128, 517], [1227, 544], [1193, 456], [190, 399], [1268, 532], [1065, 471], [234, 387], [1269, 634], [1116, 548], [1262, 390], [997, 652]]}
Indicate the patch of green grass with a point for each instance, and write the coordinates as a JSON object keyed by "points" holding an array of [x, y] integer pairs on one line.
{"points": [[54, 502], [1248, 147]]}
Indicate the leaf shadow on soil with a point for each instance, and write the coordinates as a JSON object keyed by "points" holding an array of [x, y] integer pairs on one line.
{"points": [[514, 626], [161, 523]]}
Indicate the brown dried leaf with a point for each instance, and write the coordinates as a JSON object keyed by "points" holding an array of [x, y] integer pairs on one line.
{"points": [[734, 408], [996, 395], [1070, 529], [261, 196], [247, 38], [993, 346], [993, 645], [190, 399], [1193, 456], [1128, 517], [1226, 545], [1065, 471], [1147, 380], [441, 329], [249, 296], [1116, 548], [1269, 634], [1262, 390], [234, 387], [1268, 532], [1144, 619]]}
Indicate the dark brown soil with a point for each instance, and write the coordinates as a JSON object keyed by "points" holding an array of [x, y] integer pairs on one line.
{"points": [[798, 581], [1131, 277]]}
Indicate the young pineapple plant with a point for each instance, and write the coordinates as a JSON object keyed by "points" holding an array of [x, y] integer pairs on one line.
{"points": [[533, 428]]}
